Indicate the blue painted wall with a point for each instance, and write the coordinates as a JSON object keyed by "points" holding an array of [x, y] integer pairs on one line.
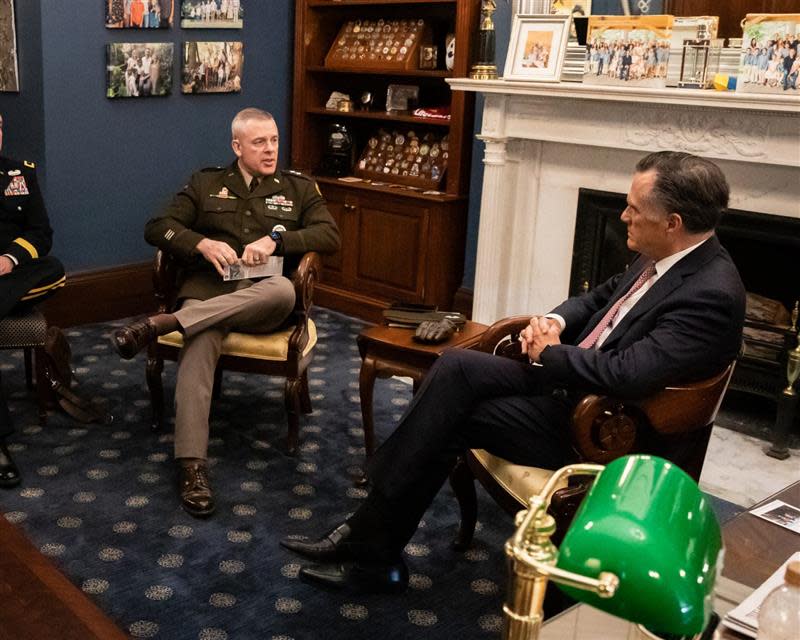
{"points": [[108, 165]]}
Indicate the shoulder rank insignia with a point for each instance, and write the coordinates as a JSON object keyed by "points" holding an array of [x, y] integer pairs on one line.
{"points": [[29, 164]]}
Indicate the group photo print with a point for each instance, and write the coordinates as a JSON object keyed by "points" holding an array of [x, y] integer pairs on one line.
{"points": [[138, 70]]}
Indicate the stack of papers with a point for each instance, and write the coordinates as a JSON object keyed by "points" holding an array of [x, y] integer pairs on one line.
{"points": [[239, 271], [574, 62], [744, 618]]}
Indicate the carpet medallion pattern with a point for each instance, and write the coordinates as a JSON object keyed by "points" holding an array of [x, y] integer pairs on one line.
{"points": [[101, 502]]}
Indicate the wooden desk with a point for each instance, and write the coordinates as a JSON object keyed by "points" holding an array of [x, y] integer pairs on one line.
{"points": [[755, 548], [392, 351]]}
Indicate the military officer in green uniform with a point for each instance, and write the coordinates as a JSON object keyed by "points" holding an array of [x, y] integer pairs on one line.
{"points": [[225, 217], [27, 274]]}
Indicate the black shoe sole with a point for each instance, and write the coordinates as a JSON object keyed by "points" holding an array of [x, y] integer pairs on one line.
{"points": [[10, 484], [198, 513]]}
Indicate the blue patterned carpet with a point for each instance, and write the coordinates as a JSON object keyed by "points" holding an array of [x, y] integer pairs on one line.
{"points": [[101, 502]]}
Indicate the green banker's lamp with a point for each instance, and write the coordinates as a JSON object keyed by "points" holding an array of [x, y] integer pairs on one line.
{"points": [[644, 546]]}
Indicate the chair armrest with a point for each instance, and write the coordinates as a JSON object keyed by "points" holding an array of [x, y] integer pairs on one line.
{"points": [[304, 280], [604, 428], [501, 337], [165, 280]]}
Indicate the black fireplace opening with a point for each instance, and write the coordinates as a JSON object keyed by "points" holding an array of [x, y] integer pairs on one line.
{"points": [[765, 249]]}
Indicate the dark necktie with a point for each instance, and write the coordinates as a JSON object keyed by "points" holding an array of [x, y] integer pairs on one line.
{"points": [[589, 341], [253, 184]]}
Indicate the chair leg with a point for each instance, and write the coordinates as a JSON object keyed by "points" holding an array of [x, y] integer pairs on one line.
{"points": [[305, 397], [292, 401], [155, 365], [28, 368], [463, 484], [42, 383]]}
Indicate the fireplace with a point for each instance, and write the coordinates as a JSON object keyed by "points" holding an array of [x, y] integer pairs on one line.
{"points": [[765, 249]]}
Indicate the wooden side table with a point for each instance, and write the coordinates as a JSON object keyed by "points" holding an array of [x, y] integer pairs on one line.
{"points": [[392, 351]]}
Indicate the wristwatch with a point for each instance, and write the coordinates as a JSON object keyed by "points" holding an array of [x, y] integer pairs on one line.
{"points": [[278, 240]]}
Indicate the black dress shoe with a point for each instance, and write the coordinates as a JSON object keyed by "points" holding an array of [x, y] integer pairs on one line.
{"points": [[9, 474], [332, 547], [358, 576], [132, 339], [197, 498]]}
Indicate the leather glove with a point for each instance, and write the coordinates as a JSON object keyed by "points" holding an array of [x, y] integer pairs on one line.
{"points": [[431, 332]]}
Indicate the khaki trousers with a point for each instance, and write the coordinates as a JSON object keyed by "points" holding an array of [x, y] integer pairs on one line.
{"points": [[258, 307]]}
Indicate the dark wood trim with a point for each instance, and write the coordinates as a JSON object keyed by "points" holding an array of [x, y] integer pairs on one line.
{"points": [[462, 301], [38, 599], [353, 304], [102, 295]]}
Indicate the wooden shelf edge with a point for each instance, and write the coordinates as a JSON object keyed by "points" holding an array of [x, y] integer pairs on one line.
{"points": [[398, 190], [407, 73], [379, 116], [354, 3]]}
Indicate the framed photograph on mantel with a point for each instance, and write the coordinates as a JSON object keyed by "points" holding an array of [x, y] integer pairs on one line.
{"points": [[630, 51], [537, 46], [770, 61]]}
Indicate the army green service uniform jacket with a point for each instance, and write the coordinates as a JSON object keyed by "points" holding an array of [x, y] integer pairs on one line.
{"points": [[25, 231], [216, 204]]}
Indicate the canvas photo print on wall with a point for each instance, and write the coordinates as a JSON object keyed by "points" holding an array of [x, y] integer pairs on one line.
{"points": [[139, 14], [211, 14], [9, 73], [139, 69], [212, 67], [628, 50]]}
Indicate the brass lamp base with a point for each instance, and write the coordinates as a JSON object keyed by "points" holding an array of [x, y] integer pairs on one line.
{"points": [[483, 72]]}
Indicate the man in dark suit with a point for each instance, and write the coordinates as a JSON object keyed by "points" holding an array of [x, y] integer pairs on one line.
{"points": [[27, 274], [225, 217], [675, 316]]}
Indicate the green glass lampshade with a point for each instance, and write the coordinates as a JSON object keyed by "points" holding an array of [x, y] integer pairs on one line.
{"points": [[646, 521]]}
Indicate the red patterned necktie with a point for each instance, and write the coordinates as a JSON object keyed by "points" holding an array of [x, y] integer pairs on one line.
{"points": [[589, 341]]}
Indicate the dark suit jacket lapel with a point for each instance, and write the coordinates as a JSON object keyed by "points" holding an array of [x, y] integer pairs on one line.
{"points": [[665, 285]]}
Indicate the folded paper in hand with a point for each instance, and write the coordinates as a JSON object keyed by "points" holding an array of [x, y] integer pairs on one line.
{"points": [[240, 271]]}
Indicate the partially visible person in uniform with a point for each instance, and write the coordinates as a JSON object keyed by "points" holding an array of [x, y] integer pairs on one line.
{"points": [[27, 274], [240, 214]]}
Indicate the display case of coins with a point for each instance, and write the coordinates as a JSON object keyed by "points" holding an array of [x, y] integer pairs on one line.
{"points": [[384, 44], [404, 157]]}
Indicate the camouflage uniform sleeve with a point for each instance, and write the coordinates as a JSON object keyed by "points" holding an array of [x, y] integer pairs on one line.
{"points": [[172, 230], [318, 230], [36, 237]]}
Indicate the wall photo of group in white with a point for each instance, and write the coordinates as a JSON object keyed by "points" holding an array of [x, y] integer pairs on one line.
{"points": [[139, 14], [770, 61], [212, 67], [211, 14], [9, 74], [139, 70]]}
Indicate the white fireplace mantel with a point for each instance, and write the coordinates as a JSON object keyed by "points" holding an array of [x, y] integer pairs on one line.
{"points": [[543, 142]]}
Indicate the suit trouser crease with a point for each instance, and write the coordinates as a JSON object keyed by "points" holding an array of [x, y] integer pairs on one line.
{"points": [[468, 399], [259, 308]]}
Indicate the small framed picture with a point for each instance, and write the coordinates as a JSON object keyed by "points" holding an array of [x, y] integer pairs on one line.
{"points": [[770, 61], [537, 47], [9, 79], [138, 69], [212, 67], [211, 14], [139, 14]]}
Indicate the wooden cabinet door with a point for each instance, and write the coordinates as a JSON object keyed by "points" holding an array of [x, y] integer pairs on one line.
{"points": [[391, 240]]}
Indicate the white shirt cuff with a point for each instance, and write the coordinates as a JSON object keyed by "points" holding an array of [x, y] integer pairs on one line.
{"points": [[557, 318]]}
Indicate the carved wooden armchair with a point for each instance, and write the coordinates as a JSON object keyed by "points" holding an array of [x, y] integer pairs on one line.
{"points": [[288, 351], [674, 423]]}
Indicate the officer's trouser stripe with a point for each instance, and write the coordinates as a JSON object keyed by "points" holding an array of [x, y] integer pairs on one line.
{"points": [[40, 291]]}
